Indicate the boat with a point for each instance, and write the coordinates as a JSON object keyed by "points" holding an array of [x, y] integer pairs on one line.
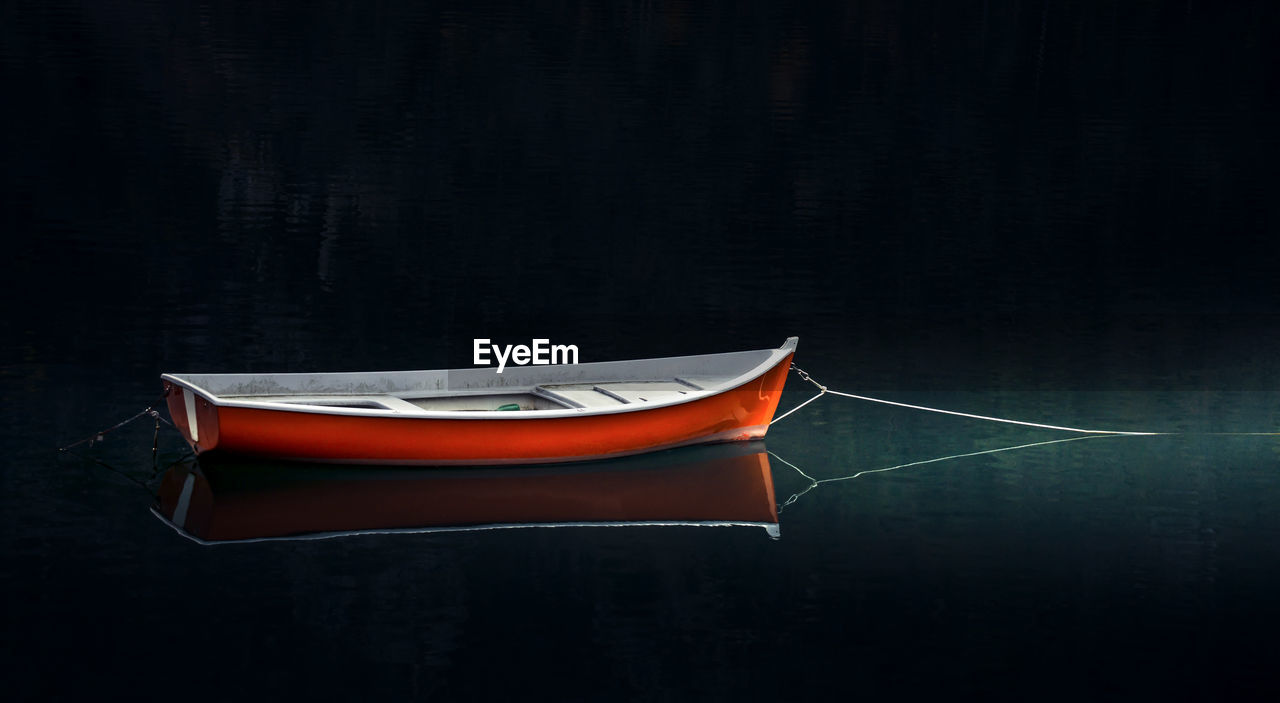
{"points": [[476, 416], [214, 501]]}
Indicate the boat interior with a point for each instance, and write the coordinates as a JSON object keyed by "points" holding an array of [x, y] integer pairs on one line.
{"points": [[548, 397], [601, 386]]}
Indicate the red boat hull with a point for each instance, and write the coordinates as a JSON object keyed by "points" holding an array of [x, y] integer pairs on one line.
{"points": [[740, 413]]}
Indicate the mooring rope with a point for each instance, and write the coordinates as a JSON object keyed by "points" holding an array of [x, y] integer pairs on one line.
{"points": [[100, 435], [815, 482], [823, 390], [1088, 434]]}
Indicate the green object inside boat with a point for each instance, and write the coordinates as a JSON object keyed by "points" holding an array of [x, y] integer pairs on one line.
{"points": [[509, 406]]}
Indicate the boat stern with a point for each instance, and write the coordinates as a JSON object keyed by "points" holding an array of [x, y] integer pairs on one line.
{"points": [[195, 416]]}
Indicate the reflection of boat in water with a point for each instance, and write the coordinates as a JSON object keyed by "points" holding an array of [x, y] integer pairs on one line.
{"points": [[715, 485]]}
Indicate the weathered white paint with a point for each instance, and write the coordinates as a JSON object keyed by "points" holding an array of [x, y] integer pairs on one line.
{"points": [[189, 397]]}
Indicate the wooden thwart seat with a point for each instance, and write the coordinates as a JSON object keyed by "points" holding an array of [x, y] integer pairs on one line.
{"points": [[603, 395]]}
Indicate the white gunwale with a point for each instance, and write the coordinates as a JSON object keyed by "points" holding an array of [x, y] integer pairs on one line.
{"points": [[705, 375]]}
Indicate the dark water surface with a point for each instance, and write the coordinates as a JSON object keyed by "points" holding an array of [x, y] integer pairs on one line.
{"points": [[1048, 211]]}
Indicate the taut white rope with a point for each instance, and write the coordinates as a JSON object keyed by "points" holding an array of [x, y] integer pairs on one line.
{"points": [[1089, 434], [823, 390]]}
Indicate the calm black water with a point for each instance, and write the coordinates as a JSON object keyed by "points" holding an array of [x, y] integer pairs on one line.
{"points": [[1038, 210]]}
